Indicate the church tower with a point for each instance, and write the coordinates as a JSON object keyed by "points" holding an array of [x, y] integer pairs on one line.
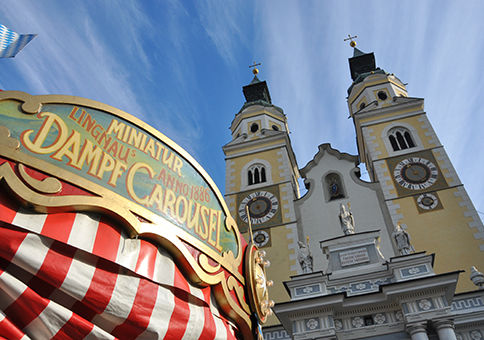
{"points": [[420, 186], [261, 175]]}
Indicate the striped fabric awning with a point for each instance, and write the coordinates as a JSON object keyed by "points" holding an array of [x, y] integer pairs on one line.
{"points": [[78, 276]]}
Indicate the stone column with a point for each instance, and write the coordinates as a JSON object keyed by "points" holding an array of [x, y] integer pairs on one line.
{"points": [[445, 329], [418, 331]]}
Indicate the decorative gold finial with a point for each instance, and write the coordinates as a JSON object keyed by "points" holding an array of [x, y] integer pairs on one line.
{"points": [[352, 42], [255, 70]]}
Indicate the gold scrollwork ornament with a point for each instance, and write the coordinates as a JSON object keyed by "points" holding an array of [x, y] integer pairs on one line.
{"points": [[257, 283]]}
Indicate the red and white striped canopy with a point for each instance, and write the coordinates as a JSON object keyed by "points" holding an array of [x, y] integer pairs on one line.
{"points": [[79, 276]]}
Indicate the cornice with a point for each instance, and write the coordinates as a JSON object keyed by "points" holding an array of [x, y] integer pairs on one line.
{"points": [[326, 148]]}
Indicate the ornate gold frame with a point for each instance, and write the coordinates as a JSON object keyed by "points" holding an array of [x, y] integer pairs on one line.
{"points": [[41, 196]]}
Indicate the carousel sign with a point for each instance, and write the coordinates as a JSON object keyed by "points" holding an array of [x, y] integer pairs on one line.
{"points": [[133, 174]]}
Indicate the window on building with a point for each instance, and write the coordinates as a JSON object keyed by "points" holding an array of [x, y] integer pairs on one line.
{"points": [[382, 95], [400, 139], [256, 174], [254, 127]]}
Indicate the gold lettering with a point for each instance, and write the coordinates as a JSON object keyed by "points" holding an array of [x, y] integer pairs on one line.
{"points": [[181, 203], [160, 149], [90, 154], [168, 158], [70, 149], [130, 181], [194, 215], [117, 128], [36, 145], [135, 138], [203, 233], [150, 148], [107, 164], [170, 200], [215, 221], [119, 168], [156, 196]]}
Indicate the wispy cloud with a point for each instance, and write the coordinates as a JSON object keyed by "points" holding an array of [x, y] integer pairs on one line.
{"points": [[224, 23]]}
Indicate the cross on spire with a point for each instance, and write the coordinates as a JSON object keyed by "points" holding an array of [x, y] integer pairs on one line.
{"points": [[352, 42], [255, 70]]}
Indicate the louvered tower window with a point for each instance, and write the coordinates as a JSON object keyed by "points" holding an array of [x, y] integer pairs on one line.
{"points": [[256, 174], [400, 139]]}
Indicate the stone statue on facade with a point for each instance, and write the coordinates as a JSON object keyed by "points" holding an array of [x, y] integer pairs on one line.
{"points": [[477, 277], [402, 240], [305, 257], [346, 220]]}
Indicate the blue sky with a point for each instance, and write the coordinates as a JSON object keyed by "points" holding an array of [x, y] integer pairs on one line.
{"points": [[180, 65]]}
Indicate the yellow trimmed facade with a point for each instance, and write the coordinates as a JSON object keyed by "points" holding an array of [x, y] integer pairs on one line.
{"points": [[262, 176], [421, 188]]}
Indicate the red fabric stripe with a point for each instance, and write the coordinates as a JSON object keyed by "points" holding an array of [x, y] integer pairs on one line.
{"points": [[146, 259], [181, 313], [8, 209], [107, 240], [10, 240], [9, 331], [75, 328], [100, 290], [54, 269], [59, 226], [209, 328], [140, 314]]}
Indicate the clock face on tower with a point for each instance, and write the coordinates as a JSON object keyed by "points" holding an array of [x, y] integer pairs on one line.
{"points": [[416, 173], [262, 207]]}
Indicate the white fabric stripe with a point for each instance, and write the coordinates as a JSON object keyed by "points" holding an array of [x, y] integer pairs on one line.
{"points": [[2, 315], [128, 252], [83, 231], [160, 318], [214, 306], [221, 329], [196, 320], [120, 303], [10, 289], [48, 323], [29, 220], [99, 334], [32, 252], [79, 276], [164, 268]]}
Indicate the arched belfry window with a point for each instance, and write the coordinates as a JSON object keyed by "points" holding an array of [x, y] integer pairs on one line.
{"points": [[333, 186], [256, 174], [400, 139]]}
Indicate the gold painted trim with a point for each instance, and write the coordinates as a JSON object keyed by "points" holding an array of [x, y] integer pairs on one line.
{"points": [[136, 220]]}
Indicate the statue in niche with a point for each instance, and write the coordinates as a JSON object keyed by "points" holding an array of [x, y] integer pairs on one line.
{"points": [[346, 219], [402, 240], [335, 187], [305, 257]]}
